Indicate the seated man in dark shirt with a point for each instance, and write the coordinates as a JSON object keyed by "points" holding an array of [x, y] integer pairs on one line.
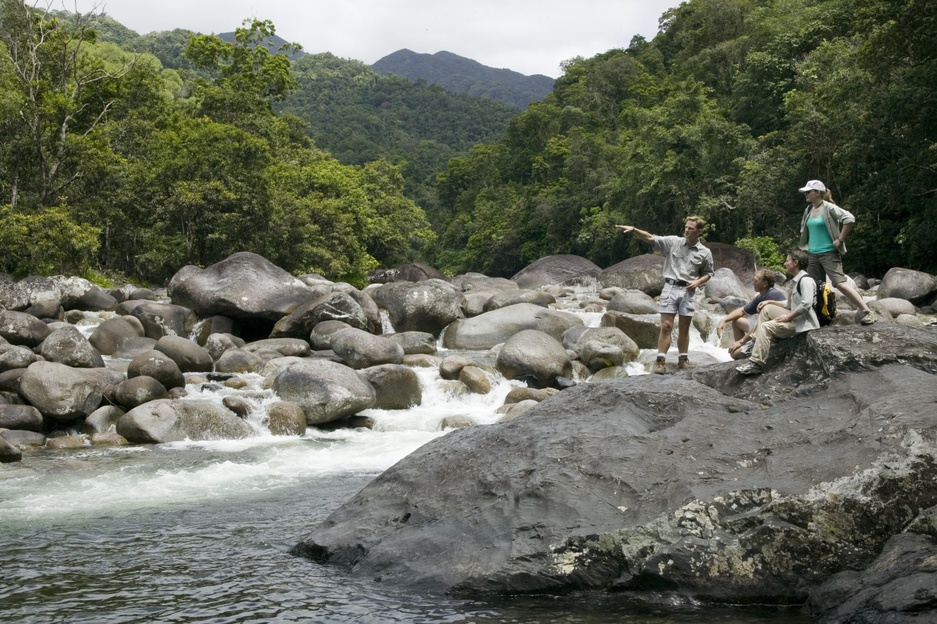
{"points": [[743, 327], [782, 321]]}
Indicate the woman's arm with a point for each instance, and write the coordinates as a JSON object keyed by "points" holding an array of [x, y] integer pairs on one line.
{"points": [[843, 233]]}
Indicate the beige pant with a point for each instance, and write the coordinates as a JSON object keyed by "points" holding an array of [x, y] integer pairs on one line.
{"points": [[767, 329]]}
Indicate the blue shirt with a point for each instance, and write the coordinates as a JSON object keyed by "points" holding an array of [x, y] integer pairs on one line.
{"points": [[772, 294], [818, 236]]}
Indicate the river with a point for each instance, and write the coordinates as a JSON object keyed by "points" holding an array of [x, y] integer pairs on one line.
{"points": [[200, 531]]}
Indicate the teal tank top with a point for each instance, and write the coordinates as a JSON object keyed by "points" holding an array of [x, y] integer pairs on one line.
{"points": [[819, 241]]}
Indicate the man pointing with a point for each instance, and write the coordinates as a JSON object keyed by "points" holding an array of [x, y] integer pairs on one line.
{"points": [[688, 264]]}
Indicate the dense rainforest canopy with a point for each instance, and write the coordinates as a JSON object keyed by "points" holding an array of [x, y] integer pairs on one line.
{"points": [[358, 116], [111, 162], [116, 159], [731, 108]]}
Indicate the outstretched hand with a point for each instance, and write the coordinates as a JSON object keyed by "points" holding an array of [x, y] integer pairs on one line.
{"points": [[625, 228]]}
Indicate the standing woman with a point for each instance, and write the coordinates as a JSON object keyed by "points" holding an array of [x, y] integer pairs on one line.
{"points": [[823, 233]]}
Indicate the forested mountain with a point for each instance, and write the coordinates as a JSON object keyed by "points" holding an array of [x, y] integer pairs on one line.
{"points": [[461, 75], [140, 154], [359, 116], [725, 113], [356, 114], [112, 160]]}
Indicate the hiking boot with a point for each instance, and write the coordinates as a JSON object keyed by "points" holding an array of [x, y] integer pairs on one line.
{"points": [[659, 367], [865, 317], [749, 368], [683, 363]]}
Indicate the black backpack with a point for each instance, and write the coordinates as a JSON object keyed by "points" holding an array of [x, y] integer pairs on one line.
{"points": [[824, 304]]}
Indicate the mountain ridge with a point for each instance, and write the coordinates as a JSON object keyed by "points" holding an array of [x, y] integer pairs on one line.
{"points": [[454, 73], [464, 75]]}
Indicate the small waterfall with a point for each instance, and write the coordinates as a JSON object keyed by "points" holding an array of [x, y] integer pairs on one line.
{"points": [[257, 398], [89, 321], [198, 329], [446, 404], [386, 326]]}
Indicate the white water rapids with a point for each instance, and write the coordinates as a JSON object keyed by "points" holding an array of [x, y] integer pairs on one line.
{"points": [[200, 531], [140, 477]]}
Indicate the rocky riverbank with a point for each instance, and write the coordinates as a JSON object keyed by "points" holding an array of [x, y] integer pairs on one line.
{"points": [[700, 483], [815, 477]]}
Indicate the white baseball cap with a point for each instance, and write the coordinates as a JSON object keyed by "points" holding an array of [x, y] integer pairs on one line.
{"points": [[814, 185]]}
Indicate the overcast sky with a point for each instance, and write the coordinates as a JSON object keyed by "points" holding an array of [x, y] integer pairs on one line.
{"points": [[527, 36]]}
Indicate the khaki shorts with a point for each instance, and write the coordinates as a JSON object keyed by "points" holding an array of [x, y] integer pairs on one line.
{"points": [[677, 300], [829, 264]]}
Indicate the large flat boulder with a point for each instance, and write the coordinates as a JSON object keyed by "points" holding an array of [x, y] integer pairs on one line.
{"points": [[173, 420], [337, 306], [66, 393], [159, 319], [491, 328], [411, 272], [20, 328], [426, 306], [325, 390], [644, 273], [243, 285], [563, 269], [78, 293], [703, 483], [915, 286], [740, 261]]}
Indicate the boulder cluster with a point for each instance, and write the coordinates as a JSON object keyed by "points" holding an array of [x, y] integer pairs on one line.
{"points": [[813, 483], [328, 351], [80, 365]]}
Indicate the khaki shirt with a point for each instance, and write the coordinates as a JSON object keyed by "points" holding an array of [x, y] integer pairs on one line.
{"points": [[682, 261]]}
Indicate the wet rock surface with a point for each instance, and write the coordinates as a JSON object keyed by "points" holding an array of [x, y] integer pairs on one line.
{"points": [[814, 482], [705, 483]]}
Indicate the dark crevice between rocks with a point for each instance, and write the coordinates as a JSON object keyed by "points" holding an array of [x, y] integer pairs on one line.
{"points": [[252, 329]]}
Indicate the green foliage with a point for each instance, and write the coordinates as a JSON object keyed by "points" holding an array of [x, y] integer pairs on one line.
{"points": [[105, 27], [324, 165], [360, 116], [395, 229], [162, 169], [63, 88], [98, 279], [767, 253], [724, 114], [244, 76], [316, 222], [246, 65], [168, 46], [47, 242]]}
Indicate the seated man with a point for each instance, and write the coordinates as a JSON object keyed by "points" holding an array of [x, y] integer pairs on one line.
{"points": [[742, 326], [775, 321]]}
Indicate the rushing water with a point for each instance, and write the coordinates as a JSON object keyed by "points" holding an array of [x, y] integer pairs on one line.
{"points": [[200, 532]]}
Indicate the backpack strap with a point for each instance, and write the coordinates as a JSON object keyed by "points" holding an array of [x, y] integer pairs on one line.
{"points": [[816, 295]]}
